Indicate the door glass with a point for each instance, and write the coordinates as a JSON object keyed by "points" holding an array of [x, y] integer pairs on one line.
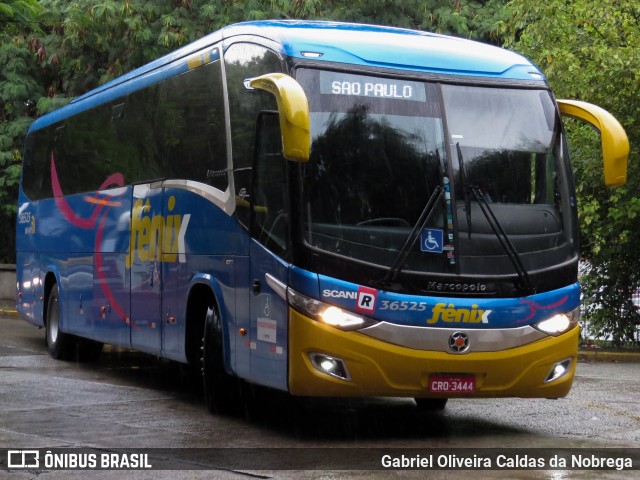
{"points": [[244, 61], [270, 213]]}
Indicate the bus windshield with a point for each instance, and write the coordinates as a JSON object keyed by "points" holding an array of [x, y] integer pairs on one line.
{"points": [[381, 146]]}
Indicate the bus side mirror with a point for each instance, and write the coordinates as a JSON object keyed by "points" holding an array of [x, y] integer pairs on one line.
{"points": [[294, 113], [615, 144]]}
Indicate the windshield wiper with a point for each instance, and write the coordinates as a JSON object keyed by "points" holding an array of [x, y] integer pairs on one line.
{"points": [[525, 282], [425, 216]]}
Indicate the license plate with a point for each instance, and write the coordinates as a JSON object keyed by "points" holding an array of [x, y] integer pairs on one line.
{"points": [[452, 384]]}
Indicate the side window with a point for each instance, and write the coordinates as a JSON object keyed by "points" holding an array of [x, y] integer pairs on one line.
{"points": [[36, 176], [82, 150], [136, 154], [175, 129], [269, 195], [190, 126], [172, 129], [244, 61]]}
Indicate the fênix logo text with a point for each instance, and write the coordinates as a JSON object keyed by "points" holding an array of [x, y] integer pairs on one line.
{"points": [[157, 238], [453, 314]]}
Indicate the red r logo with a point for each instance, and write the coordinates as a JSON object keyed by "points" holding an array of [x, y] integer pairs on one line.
{"points": [[366, 301]]}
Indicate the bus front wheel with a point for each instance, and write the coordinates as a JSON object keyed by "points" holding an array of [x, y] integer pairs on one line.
{"points": [[221, 390], [59, 344]]}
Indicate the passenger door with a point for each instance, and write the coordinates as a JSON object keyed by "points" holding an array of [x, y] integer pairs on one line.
{"points": [[244, 61], [269, 257]]}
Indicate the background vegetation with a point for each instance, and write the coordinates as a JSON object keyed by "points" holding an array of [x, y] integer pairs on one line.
{"points": [[54, 50]]}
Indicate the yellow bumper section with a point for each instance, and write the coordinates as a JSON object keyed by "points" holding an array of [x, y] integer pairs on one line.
{"points": [[379, 368]]}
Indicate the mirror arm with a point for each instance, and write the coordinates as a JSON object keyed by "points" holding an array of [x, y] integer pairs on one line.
{"points": [[615, 144], [293, 107]]}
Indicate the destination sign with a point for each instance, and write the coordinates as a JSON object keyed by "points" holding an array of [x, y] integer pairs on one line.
{"points": [[334, 83]]}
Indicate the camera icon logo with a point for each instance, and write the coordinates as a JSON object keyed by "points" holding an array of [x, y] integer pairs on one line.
{"points": [[23, 459]]}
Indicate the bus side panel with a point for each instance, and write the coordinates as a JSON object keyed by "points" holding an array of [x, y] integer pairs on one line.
{"points": [[217, 272], [28, 275], [109, 319], [240, 345], [48, 243], [76, 288], [96, 282], [84, 239], [29, 287], [204, 246], [268, 319]]}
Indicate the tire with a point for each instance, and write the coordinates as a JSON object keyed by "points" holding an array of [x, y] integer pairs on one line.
{"points": [[431, 404], [221, 390], [59, 344]]}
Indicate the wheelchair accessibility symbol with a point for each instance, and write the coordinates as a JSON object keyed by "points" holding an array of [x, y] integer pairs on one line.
{"points": [[431, 240]]}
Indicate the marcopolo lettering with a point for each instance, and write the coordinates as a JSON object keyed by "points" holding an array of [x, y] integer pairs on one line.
{"points": [[452, 314], [456, 287], [157, 238]]}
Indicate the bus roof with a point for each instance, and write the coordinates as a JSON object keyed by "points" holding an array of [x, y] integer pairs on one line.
{"points": [[396, 48], [348, 43]]}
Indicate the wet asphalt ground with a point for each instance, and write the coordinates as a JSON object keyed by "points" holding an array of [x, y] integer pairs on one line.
{"points": [[128, 400]]}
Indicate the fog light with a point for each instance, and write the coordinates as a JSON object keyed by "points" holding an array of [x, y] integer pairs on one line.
{"points": [[330, 365], [558, 370]]}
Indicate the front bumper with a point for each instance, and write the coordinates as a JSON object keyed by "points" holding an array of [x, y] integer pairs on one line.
{"points": [[379, 368]]}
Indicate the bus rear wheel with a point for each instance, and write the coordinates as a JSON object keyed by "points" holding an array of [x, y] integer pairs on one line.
{"points": [[59, 344], [221, 390]]}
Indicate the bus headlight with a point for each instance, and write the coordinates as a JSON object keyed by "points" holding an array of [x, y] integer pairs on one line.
{"points": [[326, 313], [560, 323], [340, 318]]}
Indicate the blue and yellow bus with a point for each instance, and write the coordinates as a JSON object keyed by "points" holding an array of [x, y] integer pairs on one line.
{"points": [[321, 208]]}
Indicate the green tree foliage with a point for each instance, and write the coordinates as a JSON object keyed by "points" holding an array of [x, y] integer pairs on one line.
{"points": [[591, 51], [54, 50], [18, 84], [92, 41], [16, 15], [477, 19]]}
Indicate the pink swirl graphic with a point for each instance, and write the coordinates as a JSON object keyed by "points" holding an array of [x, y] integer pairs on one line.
{"points": [[536, 307], [102, 202]]}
